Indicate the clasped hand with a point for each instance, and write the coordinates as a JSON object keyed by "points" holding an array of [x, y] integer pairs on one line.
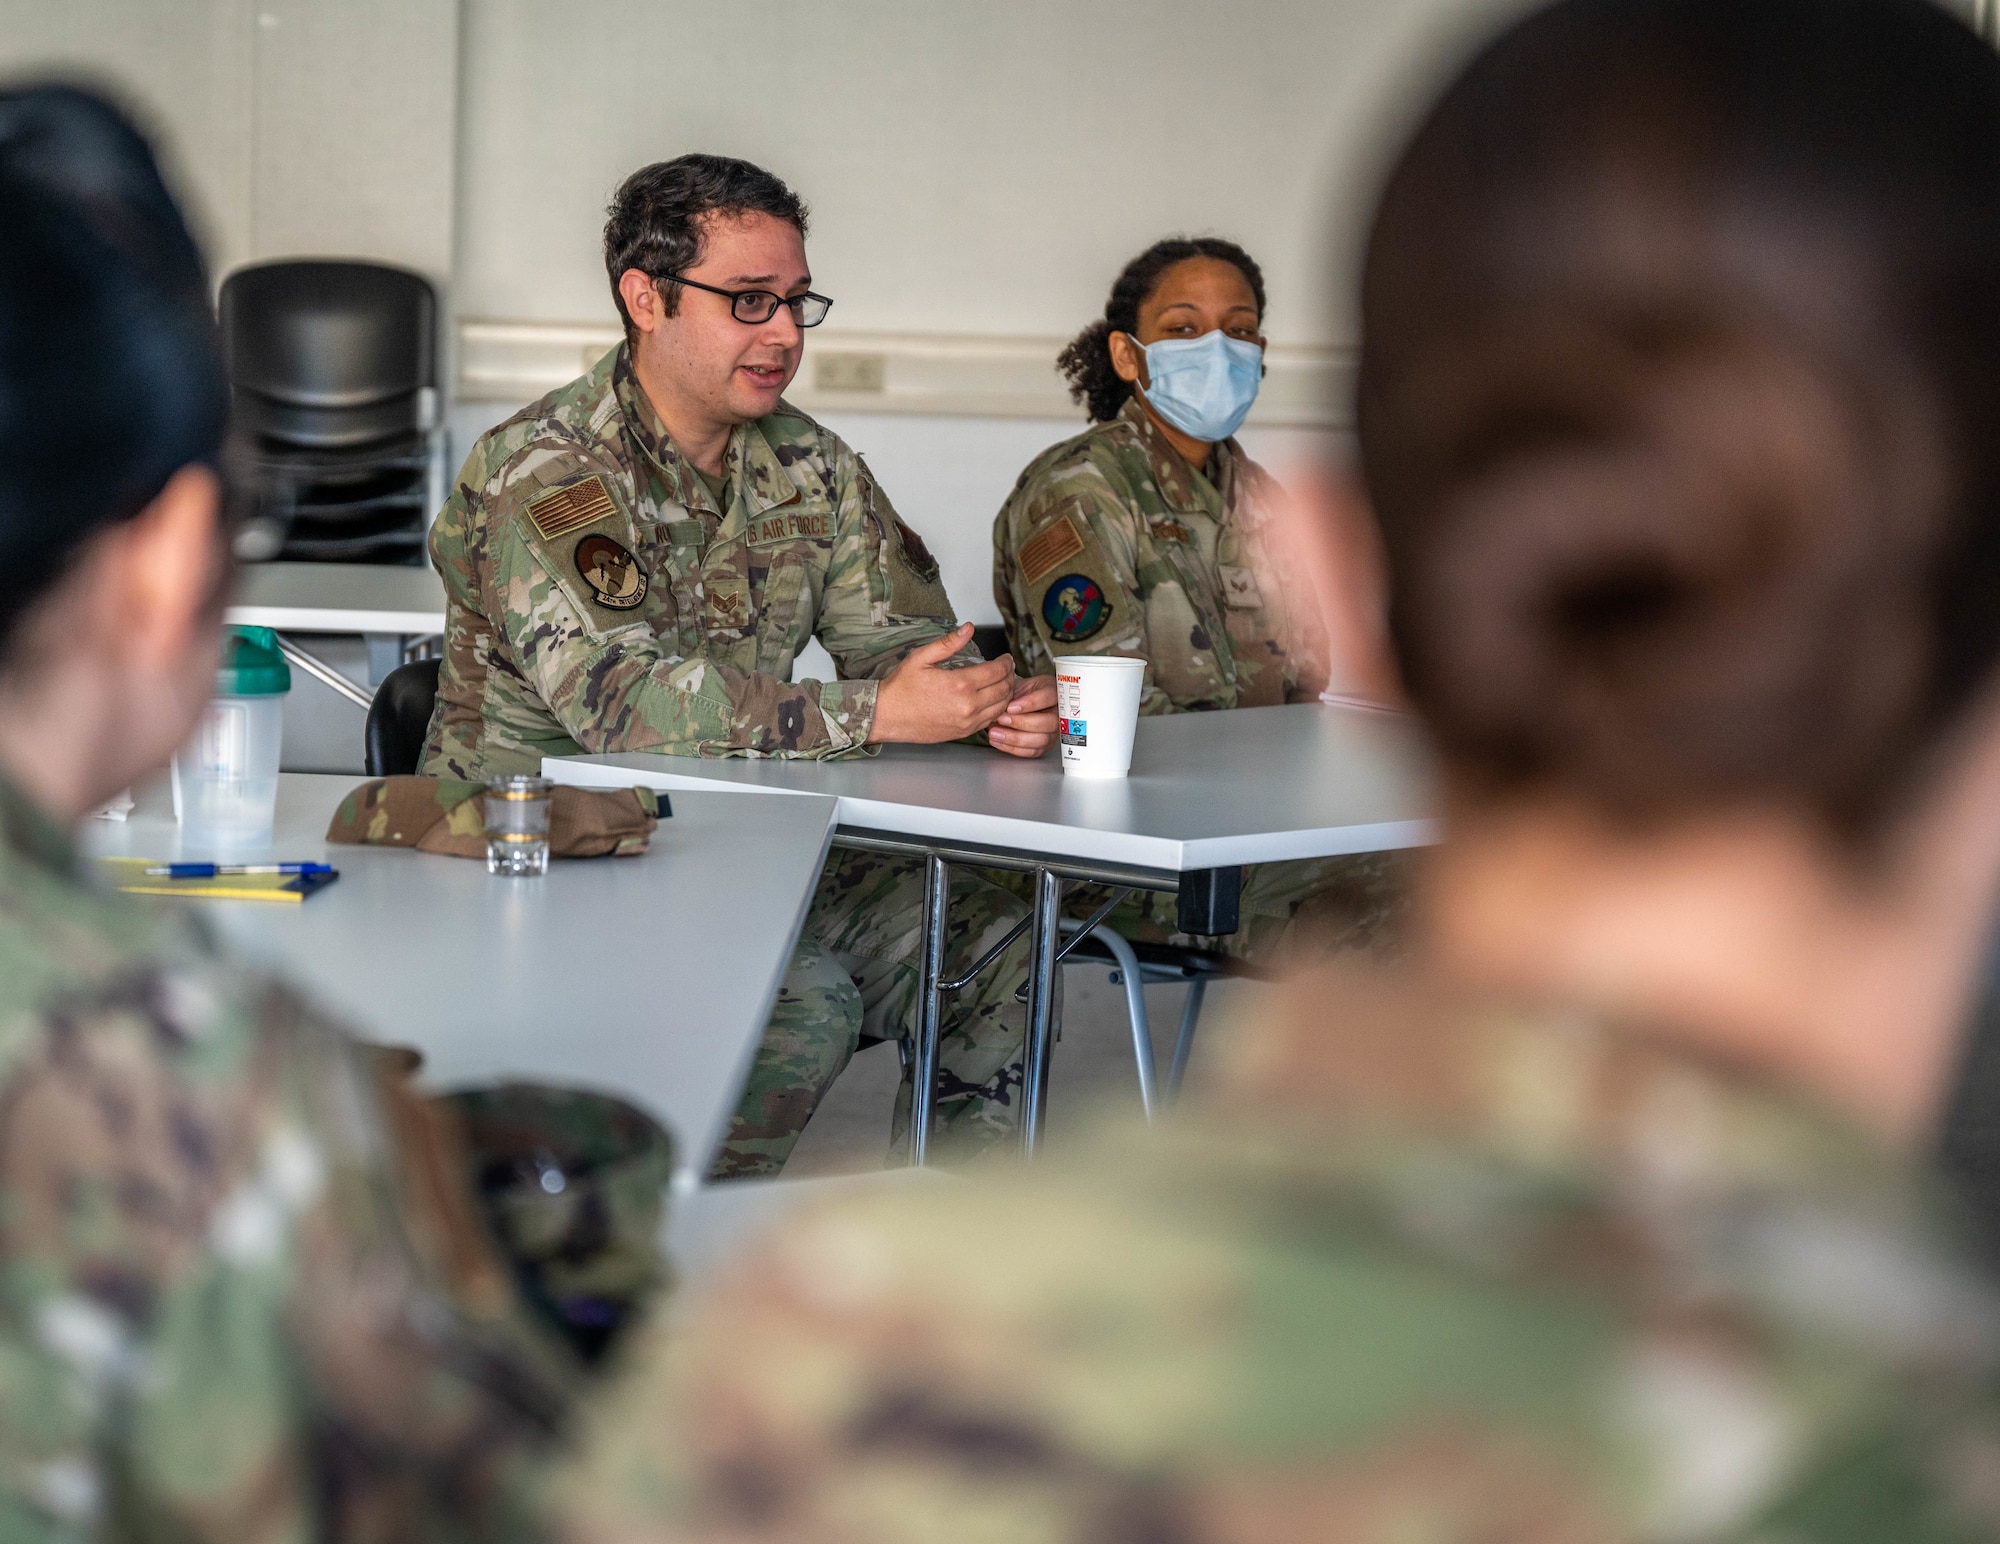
{"points": [[921, 702]]}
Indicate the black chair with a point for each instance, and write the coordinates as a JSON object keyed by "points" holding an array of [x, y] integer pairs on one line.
{"points": [[400, 718], [333, 370], [990, 639]]}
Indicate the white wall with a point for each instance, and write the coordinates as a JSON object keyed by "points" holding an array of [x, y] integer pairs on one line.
{"points": [[978, 170], [291, 127], [973, 166]]}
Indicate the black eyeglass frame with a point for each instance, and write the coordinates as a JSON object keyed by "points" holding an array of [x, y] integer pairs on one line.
{"points": [[737, 297]]}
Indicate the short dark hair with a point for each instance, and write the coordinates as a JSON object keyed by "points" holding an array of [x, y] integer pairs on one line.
{"points": [[1678, 384], [658, 218], [111, 379], [1086, 362]]}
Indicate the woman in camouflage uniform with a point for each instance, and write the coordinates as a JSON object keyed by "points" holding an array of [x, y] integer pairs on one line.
{"points": [[1152, 535], [1614, 1222], [245, 1289]]}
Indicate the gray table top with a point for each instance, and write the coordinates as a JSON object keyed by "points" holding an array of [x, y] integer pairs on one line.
{"points": [[1206, 790], [338, 598], [649, 977]]}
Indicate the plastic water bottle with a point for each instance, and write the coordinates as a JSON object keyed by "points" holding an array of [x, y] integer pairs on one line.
{"points": [[226, 776]]}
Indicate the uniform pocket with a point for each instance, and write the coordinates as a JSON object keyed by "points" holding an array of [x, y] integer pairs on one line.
{"points": [[782, 630]]}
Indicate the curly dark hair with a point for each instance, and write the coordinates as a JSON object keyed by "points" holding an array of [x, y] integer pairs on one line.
{"points": [[1695, 498], [1086, 362], [659, 215]]}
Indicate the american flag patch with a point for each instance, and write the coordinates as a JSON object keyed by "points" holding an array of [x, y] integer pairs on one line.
{"points": [[568, 509], [1048, 547]]}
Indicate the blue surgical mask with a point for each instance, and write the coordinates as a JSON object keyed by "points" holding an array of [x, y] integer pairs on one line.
{"points": [[1203, 386]]}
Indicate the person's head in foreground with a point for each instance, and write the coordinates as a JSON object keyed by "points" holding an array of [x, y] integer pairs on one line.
{"points": [[1680, 369], [243, 1293], [112, 407]]}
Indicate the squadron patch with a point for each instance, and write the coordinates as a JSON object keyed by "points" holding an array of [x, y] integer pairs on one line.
{"points": [[1074, 608], [915, 553], [569, 509], [1049, 546], [613, 574]]}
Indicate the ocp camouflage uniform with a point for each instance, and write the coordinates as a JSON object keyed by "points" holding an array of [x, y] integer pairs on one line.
{"points": [[1112, 544], [597, 600], [244, 1294], [1421, 1269]]}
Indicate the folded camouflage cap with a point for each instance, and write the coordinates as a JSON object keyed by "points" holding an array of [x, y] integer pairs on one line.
{"points": [[448, 815], [573, 1187]]}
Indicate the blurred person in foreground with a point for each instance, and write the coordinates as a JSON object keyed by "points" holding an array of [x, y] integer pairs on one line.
{"points": [[245, 1292], [1153, 535], [1609, 1215]]}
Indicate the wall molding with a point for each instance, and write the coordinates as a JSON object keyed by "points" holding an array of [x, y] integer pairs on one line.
{"points": [[960, 374]]}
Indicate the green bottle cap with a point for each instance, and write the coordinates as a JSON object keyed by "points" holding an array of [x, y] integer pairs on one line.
{"points": [[251, 665]]}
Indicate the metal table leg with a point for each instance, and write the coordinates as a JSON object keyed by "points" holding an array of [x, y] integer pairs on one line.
{"points": [[930, 1005], [1041, 1008]]}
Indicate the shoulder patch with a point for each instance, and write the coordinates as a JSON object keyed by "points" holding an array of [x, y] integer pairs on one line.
{"points": [[1074, 608], [915, 553], [616, 580], [1054, 543], [571, 508]]}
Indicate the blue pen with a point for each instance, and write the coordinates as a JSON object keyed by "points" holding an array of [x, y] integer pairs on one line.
{"points": [[216, 870]]}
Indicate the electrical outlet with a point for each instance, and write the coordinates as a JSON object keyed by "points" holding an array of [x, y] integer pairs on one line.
{"points": [[849, 372]]}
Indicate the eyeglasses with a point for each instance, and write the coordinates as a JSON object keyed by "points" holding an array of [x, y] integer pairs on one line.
{"points": [[756, 307]]}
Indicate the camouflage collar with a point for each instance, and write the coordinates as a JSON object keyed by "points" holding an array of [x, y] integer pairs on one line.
{"points": [[28, 834], [1180, 485], [750, 463], [1555, 1087]]}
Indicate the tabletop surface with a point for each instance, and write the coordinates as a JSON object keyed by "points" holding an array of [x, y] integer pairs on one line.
{"points": [[647, 977], [1256, 785], [338, 598]]}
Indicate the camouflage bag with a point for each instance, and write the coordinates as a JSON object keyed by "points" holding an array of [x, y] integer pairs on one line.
{"points": [[448, 815], [573, 1187]]}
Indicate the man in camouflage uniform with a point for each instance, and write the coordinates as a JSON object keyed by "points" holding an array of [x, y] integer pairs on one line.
{"points": [[607, 591], [1416, 1268], [1111, 543]]}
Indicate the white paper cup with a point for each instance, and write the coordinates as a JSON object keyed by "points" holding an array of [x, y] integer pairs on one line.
{"points": [[1097, 697]]}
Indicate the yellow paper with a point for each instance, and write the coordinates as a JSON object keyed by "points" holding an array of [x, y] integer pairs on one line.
{"points": [[130, 876]]}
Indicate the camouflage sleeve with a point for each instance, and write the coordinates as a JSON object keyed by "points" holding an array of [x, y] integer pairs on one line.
{"points": [[571, 577], [903, 1371], [241, 1294], [1066, 562], [1291, 598], [883, 595]]}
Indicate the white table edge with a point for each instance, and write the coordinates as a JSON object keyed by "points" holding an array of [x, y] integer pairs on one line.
{"points": [[688, 1176], [1033, 836], [337, 619]]}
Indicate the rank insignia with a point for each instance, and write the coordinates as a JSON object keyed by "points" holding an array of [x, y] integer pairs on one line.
{"points": [[613, 574], [1075, 609]]}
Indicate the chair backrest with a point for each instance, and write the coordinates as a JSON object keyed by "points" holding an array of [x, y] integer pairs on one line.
{"points": [[400, 718], [329, 355]]}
